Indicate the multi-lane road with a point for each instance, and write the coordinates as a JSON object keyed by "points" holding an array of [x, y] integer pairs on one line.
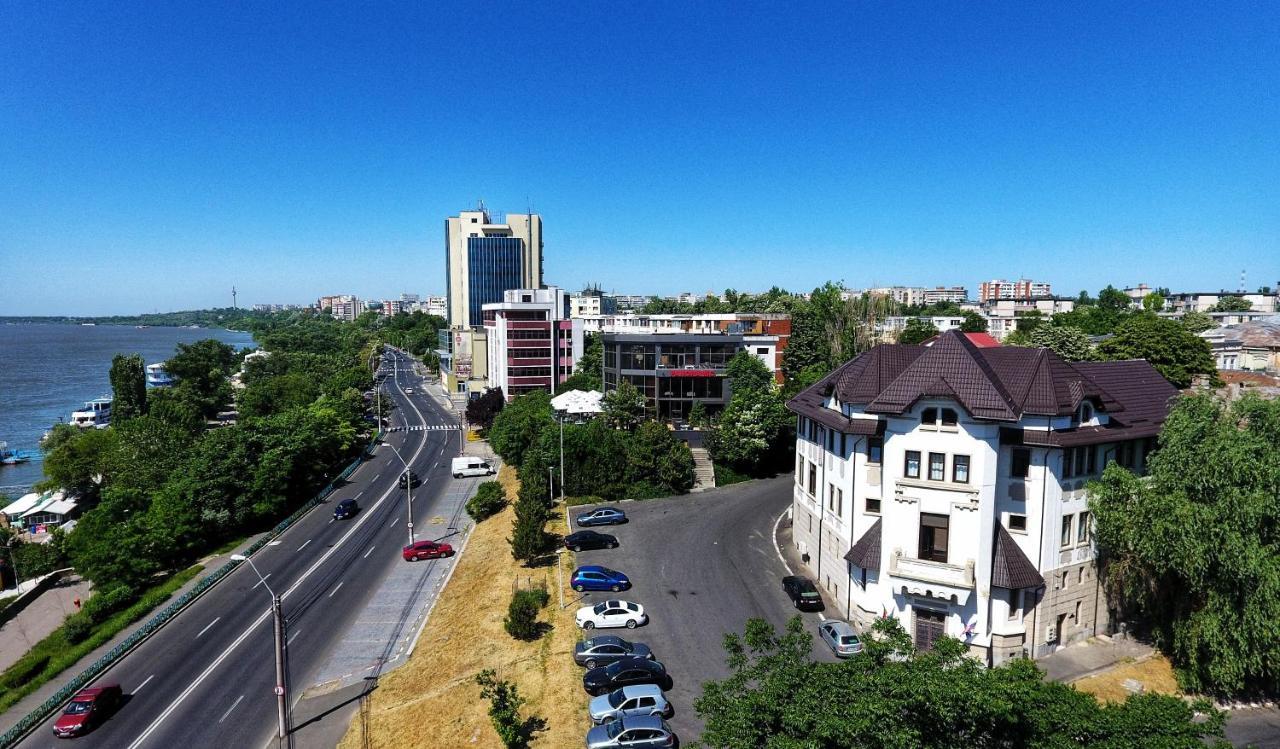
{"points": [[207, 679]]}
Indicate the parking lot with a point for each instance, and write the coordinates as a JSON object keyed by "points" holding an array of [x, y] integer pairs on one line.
{"points": [[701, 565]]}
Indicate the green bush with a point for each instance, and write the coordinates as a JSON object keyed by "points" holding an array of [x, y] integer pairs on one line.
{"points": [[77, 627], [589, 499], [489, 500], [726, 475], [102, 605], [521, 621]]}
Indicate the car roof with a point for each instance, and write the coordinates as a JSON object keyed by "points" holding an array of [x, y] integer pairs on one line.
{"points": [[347, 502], [592, 568], [840, 627], [94, 691], [642, 721], [605, 640], [642, 690]]}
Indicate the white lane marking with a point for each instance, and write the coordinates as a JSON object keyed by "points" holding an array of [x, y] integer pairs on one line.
{"points": [[358, 496], [295, 634], [335, 590], [233, 707], [332, 519], [303, 546], [394, 522], [143, 684], [776, 547], [263, 580], [177, 702], [375, 478], [367, 553], [207, 626]]}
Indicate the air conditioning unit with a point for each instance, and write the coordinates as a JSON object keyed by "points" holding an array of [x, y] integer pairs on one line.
{"points": [[1051, 633]]}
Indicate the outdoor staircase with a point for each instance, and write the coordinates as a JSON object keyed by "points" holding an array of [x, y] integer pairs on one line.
{"points": [[704, 474]]}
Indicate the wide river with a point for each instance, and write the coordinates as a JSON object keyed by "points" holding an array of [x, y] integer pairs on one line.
{"points": [[47, 371]]}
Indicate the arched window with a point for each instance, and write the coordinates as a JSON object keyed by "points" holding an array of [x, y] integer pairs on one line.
{"points": [[948, 417], [929, 416]]}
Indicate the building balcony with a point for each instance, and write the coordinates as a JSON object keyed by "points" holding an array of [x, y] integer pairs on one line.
{"points": [[924, 577]]}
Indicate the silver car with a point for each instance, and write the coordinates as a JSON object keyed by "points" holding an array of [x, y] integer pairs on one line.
{"points": [[840, 637], [642, 731], [632, 700]]}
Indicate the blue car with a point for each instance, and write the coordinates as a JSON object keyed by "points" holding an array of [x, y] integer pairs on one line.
{"points": [[347, 508], [602, 516], [595, 577]]}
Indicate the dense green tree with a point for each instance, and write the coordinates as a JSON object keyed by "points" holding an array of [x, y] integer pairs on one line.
{"points": [[504, 710], [973, 323], [166, 405], [1174, 351], [917, 331], [518, 425], [1114, 299], [658, 464], [490, 499], [202, 370], [1197, 322], [890, 697], [1094, 320], [529, 539], [77, 460], [128, 387], [624, 406], [1153, 302], [698, 414], [145, 453], [1232, 303], [746, 372], [1191, 550], [114, 543], [1065, 341], [482, 411], [1084, 300]]}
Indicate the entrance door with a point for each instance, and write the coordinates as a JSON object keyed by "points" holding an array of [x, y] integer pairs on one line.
{"points": [[930, 625]]}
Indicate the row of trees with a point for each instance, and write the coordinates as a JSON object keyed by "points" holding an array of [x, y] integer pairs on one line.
{"points": [[891, 696], [163, 489]]}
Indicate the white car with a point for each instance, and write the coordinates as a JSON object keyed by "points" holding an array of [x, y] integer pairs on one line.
{"points": [[611, 614]]}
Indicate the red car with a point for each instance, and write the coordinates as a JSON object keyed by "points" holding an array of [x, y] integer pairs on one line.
{"points": [[426, 550], [86, 710]]}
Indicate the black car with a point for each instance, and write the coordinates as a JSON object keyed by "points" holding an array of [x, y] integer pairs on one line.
{"points": [[347, 508], [623, 673], [804, 594], [409, 478], [602, 650], [590, 540]]}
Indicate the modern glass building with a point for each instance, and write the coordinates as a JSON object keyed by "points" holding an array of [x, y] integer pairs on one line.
{"points": [[495, 265], [671, 370]]}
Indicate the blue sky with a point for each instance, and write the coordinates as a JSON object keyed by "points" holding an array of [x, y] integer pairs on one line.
{"points": [[154, 154]]}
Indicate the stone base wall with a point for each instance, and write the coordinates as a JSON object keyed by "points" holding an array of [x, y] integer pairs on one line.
{"points": [[1077, 610]]}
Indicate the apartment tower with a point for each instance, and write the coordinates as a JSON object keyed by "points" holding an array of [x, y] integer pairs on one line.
{"points": [[487, 255]]}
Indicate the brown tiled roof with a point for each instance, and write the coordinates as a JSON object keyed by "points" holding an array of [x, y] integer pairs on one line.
{"points": [[1001, 384], [1010, 568], [866, 552]]}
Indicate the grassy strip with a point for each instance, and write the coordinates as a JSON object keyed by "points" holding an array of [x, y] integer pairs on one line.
{"points": [[726, 476], [55, 654]]}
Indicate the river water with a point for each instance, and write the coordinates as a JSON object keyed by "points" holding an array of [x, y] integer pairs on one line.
{"points": [[47, 371]]}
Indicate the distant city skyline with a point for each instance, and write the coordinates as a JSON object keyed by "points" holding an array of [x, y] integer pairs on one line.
{"points": [[157, 155]]}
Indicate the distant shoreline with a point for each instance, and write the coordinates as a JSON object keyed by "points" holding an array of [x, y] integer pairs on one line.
{"points": [[224, 319]]}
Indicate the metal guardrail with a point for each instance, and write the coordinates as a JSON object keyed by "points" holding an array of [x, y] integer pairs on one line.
{"points": [[33, 719]]}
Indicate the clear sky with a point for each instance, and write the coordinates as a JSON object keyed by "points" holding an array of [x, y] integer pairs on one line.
{"points": [[153, 154]]}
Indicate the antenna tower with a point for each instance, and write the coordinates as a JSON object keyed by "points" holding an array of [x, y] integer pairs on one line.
{"points": [[233, 298]]}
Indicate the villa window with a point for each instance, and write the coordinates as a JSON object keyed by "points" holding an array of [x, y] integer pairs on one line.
{"points": [[873, 506], [960, 469], [929, 416], [1015, 605], [875, 450], [934, 532], [1067, 522], [937, 467], [913, 464], [813, 480], [1021, 466], [1018, 523], [1082, 529], [949, 417]]}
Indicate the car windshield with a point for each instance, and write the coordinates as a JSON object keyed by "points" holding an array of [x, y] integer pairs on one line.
{"points": [[613, 668], [600, 607], [78, 707], [848, 640], [808, 594], [613, 729], [616, 697]]}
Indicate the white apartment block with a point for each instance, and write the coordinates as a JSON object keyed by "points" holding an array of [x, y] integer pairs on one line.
{"points": [[1203, 301], [944, 485], [1021, 289], [1003, 314], [955, 294]]}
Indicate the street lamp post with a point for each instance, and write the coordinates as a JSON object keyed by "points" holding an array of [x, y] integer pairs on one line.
{"points": [[408, 482], [561, 457], [282, 689]]}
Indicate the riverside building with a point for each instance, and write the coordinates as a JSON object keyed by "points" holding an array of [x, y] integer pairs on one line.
{"points": [[944, 485]]}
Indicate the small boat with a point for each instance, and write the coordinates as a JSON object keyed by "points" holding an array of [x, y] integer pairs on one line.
{"points": [[13, 457], [88, 324], [95, 413]]}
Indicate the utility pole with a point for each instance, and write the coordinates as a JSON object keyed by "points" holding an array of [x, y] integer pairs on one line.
{"points": [[562, 457]]}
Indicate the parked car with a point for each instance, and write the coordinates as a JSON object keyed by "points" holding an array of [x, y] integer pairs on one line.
{"points": [[602, 516], [602, 650], [469, 465], [583, 540], [426, 550], [840, 637], [640, 731], [630, 701], [623, 673], [87, 710], [611, 614], [595, 577], [409, 477], [347, 508], [804, 594]]}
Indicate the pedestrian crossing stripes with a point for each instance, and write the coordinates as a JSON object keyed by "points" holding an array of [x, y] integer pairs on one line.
{"points": [[425, 428]]}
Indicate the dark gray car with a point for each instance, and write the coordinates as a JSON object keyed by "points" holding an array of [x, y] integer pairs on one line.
{"points": [[602, 650]]}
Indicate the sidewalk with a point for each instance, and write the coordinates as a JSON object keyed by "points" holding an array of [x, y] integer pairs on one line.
{"points": [[1092, 656], [40, 618], [36, 698]]}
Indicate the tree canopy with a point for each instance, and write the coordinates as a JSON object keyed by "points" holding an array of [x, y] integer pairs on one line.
{"points": [[128, 386], [917, 331], [1192, 549], [1174, 351], [890, 696], [1232, 303]]}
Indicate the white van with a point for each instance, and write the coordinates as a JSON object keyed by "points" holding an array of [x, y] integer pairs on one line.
{"points": [[472, 466]]}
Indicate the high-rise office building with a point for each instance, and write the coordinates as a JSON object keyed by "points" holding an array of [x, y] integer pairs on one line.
{"points": [[486, 255]]}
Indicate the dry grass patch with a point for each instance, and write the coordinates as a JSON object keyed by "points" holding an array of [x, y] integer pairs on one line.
{"points": [[1154, 673], [433, 700]]}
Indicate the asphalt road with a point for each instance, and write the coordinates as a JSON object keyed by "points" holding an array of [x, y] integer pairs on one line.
{"points": [[207, 679], [701, 565]]}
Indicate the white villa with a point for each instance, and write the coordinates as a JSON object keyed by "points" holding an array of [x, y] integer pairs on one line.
{"points": [[943, 484]]}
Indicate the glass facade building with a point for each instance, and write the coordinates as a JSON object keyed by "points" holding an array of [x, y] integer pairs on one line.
{"points": [[496, 264], [671, 370]]}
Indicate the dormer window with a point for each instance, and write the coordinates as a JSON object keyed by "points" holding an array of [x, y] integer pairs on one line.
{"points": [[933, 417], [1086, 412], [949, 417], [929, 416]]}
